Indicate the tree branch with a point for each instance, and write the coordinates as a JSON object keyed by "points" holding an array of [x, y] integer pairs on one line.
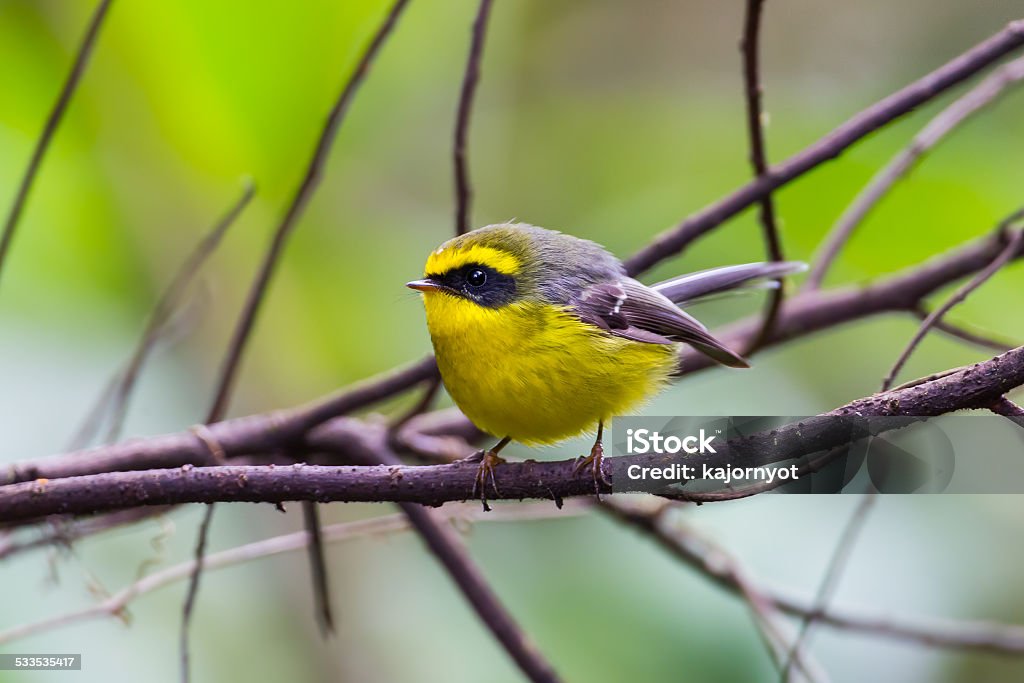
{"points": [[298, 202], [117, 397], [759, 161], [371, 448], [1006, 407], [115, 605], [1013, 246], [832, 145], [50, 128], [840, 558], [463, 188], [251, 434], [258, 290], [964, 334], [813, 311], [977, 386], [711, 560], [938, 128]]}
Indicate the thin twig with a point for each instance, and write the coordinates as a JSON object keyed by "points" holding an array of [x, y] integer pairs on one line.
{"points": [[759, 160], [116, 604], [811, 311], [840, 559], [295, 423], [451, 552], [117, 397], [258, 290], [50, 128], [763, 609], [318, 567], [1004, 257], [765, 618], [963, 334], [655, 519], [268, 432], [717, 564], [202, 538], [938, 128], [1004, 406], [421, 406], [832, 145], [463, 188], [69, 531], [298, 202]]}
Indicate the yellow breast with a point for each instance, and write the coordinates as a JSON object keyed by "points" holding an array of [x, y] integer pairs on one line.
{"points": [[535, 373]]}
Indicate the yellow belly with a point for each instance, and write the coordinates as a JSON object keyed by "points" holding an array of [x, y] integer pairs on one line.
{"points": [[535, 373]]}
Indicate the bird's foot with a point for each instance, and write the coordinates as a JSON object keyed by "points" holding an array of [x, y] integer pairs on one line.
{"points": [[594, 463], [485, 472]]}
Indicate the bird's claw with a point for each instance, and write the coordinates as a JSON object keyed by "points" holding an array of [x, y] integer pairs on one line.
{"points": [[488, 461], [594, 462]]}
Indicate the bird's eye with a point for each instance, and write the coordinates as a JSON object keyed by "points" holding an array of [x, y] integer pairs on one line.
{"points": [[476, 278]]}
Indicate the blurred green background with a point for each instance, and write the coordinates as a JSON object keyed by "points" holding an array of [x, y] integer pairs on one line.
{"points": [[609, 120]]}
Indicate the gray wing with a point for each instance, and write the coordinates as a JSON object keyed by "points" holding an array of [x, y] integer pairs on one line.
{"points": [[634, 311]]}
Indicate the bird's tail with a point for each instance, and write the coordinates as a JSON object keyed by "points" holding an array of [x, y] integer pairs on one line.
{"points": [[689, 288]]}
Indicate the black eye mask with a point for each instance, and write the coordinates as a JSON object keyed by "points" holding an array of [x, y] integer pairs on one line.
{"points": [[479, 283]]}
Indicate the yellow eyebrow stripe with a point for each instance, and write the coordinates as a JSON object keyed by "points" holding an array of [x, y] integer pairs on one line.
{"points": [[447, 259]]}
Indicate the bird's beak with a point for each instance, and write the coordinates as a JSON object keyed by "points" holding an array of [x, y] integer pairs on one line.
{"points": [[426, 285]]}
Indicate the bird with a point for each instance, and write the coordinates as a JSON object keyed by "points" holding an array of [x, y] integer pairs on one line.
{"points": [[541, 336]]}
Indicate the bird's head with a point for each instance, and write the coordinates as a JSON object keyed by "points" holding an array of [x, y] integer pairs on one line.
{"points": [[502, 264]]}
